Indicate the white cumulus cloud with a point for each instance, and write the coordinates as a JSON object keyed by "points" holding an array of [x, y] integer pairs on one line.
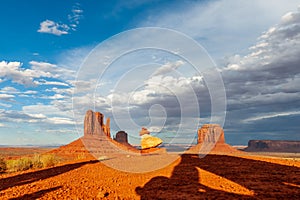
{"points": [[6, 97], [55, 28], [26, 76], [52, 27]]}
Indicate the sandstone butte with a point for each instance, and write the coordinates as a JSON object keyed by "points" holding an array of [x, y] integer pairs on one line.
{"points": [[121, 137], [211, 139], [211, 133], [94, 126], [96, 136], [208, 134]]}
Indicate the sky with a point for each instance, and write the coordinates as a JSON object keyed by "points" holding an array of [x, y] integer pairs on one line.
{"points": [[52, 54]]}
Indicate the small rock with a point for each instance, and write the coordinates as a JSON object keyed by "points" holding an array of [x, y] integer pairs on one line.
{"points": [[102, 158], [102, 194], [144, 131]]}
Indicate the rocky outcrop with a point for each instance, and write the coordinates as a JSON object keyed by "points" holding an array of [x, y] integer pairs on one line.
{"points": [[121, 137], [144, 131], [93, 124], [148, 142], [211, 133], [273, 146]]}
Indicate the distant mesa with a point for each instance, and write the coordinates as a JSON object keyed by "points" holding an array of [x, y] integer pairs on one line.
{"points": [[273, 146]]}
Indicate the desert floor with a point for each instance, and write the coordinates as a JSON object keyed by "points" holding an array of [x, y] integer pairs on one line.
{"points": [[188, 177]]}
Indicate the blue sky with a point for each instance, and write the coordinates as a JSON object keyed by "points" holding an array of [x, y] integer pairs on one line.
{"points": [[255, 46]]}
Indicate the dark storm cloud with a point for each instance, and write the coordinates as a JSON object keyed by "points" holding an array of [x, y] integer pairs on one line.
{"points": [[266, 82]]}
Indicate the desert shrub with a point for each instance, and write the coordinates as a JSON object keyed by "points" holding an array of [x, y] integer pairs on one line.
{"points": [[9, 165], [2, 165], [24, 164], [81, 156], [20, 164], [36, 161], [49, 160]]}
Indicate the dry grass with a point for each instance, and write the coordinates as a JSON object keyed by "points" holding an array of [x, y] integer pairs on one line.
{"points": [[49, 160], [20, 164], [35, 162]]}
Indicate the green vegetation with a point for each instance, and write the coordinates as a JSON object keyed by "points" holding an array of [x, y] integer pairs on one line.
{"points": [[35, 162]]}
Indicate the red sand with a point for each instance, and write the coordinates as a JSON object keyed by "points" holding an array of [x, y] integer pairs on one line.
{"points": [[189, 177]]}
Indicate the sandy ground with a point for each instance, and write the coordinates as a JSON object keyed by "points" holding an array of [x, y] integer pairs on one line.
{"points": [[16, 152], [221, 176]]}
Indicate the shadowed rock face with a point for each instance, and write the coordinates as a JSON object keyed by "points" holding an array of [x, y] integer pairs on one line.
{"points": [[212, 133], [274, 146], [99, 117], [122, 137]]}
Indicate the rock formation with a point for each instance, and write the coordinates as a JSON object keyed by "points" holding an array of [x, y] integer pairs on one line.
{"points": [[107, 127], [93, 124], [121, 137], [211, 140], [212, 133], [99, 117], [144, 131], [149, 141], [274, 146]]}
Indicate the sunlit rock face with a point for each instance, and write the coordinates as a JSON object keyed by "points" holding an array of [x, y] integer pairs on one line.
{"points": [[93, 124], [148, 141], [212, 133]]}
